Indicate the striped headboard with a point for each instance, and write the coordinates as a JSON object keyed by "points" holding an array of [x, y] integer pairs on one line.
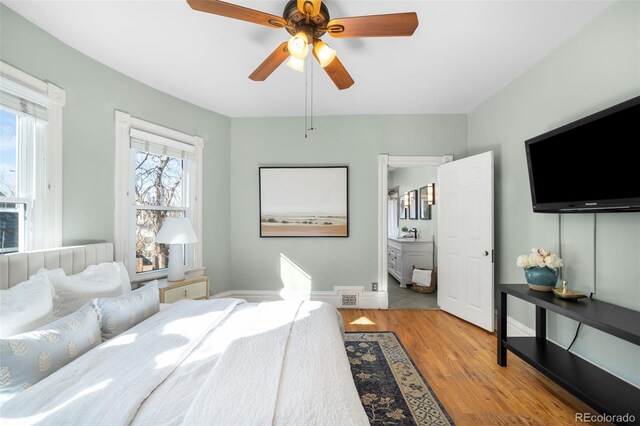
{"points": [[18, 267]]}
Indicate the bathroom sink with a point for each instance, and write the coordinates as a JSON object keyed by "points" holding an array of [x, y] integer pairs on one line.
{"points": [[409, 239]]}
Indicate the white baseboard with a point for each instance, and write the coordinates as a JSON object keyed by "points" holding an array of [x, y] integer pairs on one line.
{"points": [[518, 329], [364, 299], [515, 328], [251, 296]]}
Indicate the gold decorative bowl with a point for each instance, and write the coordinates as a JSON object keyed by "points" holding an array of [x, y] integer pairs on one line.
{"points": [[568, 294]]}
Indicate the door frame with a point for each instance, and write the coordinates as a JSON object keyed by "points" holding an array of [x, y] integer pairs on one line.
{"points": [[384, 162]]}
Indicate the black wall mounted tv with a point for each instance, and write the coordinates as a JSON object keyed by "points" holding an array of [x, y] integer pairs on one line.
{"points": [[590, 165]]}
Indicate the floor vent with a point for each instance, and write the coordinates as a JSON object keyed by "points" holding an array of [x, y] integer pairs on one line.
{"points": [[350, 300]]}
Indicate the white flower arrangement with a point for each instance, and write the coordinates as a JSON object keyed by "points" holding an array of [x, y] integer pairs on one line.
{"points": [[539, 258]]}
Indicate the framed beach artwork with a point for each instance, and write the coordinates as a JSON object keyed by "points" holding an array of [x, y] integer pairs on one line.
{"points": [[304, 201]]}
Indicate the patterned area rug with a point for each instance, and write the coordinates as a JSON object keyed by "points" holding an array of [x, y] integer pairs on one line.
{"points": [[391, 388]]}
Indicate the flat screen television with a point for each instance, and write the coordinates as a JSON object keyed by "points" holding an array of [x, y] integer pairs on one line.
{"points": [[590, 165]]}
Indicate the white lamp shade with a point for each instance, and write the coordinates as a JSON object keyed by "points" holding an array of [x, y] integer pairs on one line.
{"points": [[324, 53], [176, 230], [298, 45], [296, 63]]}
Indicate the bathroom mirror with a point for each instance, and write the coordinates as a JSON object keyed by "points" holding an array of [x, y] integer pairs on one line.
{"points": [[413, 204], [425, 208]]}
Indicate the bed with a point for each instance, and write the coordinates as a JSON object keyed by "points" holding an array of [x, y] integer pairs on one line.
{"points": [[220, 361]]}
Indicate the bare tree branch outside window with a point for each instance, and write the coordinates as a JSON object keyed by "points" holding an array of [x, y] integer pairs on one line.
{"points": [[158, 183]]}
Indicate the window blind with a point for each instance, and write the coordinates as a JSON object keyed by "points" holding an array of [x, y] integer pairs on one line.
{"points": [[23, 106], [155, 144]]}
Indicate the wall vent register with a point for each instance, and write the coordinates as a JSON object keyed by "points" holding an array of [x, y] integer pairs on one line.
{"points": [[350, 300]]}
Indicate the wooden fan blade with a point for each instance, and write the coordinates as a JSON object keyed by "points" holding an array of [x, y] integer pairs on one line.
{"points": [[237, 12], [393, 25], [309, 6], [337, 73], [270, 64]]}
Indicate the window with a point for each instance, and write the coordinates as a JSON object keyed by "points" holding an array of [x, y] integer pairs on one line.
{"points": [[160, 193], [160, 176], [19, 188], [30, 142]]}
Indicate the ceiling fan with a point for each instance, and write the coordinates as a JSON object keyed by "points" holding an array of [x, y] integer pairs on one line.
{"points": [[307, 21]]}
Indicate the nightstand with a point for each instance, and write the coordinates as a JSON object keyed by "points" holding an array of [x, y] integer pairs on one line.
{"points": [[195, 287]]}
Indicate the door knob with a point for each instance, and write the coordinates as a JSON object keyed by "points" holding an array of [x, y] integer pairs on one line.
{"points": [[485, 253]]}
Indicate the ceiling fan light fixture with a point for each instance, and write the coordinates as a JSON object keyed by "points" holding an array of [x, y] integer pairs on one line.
{"points": [[324, 53], [307, 21], [296, 63], [299, 45]]}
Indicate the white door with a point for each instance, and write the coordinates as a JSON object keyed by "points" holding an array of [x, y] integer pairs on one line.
{"points": [[465, 239]]}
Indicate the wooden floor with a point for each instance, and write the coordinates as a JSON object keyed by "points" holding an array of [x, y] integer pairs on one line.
{"points": [[459, 362]]}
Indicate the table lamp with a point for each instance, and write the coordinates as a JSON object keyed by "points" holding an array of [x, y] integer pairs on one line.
{"points": [[176, 231]]}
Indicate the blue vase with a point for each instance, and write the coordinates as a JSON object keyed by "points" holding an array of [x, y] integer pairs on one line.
{"points": [[541, 279]]}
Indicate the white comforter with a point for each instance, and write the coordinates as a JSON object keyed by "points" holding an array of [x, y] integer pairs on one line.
{"points": [[206, 362]]}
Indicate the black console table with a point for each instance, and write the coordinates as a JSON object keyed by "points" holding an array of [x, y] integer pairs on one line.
{"points": [[599, 389]]}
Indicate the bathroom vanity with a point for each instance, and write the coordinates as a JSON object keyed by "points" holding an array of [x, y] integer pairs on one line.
{"points": [[405, 253]]}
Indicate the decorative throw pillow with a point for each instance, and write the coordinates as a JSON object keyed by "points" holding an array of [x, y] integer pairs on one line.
{"points": [[73, 291], [118, 314], [27, 358], [26, 306]]}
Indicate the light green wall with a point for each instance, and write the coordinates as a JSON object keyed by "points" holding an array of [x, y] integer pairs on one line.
{"points": [[230, 187], [93, 92], [414, 178], [355, 141], [596, 68]]}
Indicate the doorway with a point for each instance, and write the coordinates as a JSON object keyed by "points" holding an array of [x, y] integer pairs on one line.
{"points": [[385, 162], [464, 236], [411, 240]]}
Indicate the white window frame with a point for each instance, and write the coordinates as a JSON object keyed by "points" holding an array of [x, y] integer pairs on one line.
{"points": [[124, 231], [46, 216]]}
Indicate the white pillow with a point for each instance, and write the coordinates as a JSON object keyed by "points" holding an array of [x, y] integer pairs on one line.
{"points": [[118, 314], [124, 278], [26, 306], [74, 291]]}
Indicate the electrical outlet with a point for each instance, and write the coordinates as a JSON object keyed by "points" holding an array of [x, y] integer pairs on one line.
{"points": [[374, 286]]}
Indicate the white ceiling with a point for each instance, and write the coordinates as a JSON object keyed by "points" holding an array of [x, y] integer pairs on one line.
{"points": [[461, 53]]}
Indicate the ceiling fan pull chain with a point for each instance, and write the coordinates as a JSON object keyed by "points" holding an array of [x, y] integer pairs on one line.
{"points": [[308, 96], [305, 103], [311, 103]]}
